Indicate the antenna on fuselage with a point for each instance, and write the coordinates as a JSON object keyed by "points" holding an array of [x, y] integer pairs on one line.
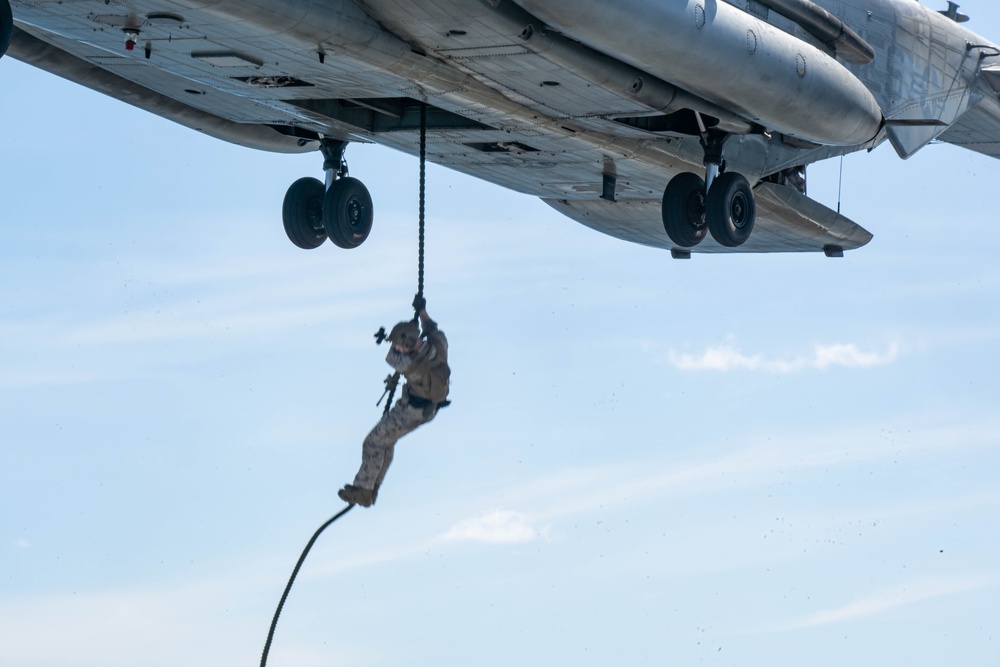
{"points": [[953, 13]]}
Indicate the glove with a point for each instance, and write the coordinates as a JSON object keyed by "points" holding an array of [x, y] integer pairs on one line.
{"points": [[419, 303]]}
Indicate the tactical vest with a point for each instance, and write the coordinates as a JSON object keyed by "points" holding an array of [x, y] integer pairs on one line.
{"points": [[430, 378]]}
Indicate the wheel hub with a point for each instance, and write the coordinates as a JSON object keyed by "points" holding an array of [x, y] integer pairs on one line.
{"points": [[696, 209], [739, 208], [355, 212]]}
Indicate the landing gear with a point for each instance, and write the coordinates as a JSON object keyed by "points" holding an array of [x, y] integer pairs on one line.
{"points": [[684, 209], [722, 204], [302, 213], [347, 212], [6, 26], [730, 210], [341, 210]]}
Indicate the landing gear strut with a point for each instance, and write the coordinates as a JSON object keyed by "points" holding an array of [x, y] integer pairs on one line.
{"points": [[341, 209], [723, 203]]}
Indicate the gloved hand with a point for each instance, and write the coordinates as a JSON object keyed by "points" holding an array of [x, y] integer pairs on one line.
{"points": [[419, 303]]}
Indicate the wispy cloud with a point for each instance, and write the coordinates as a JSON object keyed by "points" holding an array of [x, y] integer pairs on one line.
{"points": [[728, 357], [204, 623], [498, 527], [887, 600], [113, 629], [757, 462]]}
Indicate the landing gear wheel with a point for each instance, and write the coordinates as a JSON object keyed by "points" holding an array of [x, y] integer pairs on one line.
{"points": [[302, 213], [683, 209], [730, 210], [348, 212], [6, 26]]}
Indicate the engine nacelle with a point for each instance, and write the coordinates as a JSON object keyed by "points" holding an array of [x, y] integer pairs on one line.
{"points": [[729, 57]]}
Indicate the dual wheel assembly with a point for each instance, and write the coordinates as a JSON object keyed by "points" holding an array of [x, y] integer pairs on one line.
{"points": [[727, 209], [312, 212]]}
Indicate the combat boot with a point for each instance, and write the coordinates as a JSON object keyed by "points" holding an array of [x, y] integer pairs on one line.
{"points": [[355, 495]]}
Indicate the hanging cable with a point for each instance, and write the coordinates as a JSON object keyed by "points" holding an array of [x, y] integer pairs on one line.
{"points": [[390, 381], [840, 185], [393, 380], [423, 188], [291, 580], [380, 336]]}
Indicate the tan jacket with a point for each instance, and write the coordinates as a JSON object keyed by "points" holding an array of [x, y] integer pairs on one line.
{"points": [[426, 371]]}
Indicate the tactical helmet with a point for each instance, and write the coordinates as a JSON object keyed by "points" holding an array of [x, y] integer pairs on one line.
{"points": [[405, 333]]}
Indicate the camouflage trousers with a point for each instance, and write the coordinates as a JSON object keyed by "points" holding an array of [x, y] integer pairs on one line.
{"points": [[379, 446]]}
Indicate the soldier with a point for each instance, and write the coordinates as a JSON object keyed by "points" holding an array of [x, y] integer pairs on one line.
{"points": [[422, 358]]}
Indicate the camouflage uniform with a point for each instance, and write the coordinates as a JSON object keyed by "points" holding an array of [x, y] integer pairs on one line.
{"points": [[427, 378]]}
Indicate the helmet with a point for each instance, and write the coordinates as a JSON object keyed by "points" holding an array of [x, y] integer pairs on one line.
{"points": [[405, 333]]}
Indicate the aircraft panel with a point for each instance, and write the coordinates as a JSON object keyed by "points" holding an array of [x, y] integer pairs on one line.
{"points": [[978, 130]]}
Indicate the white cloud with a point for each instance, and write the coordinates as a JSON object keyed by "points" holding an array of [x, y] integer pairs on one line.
{"points": [[728, 357], [849, 356], [22, 544], [498, 527]]}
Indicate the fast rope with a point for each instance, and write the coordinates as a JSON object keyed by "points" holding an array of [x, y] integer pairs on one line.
{"points": [[423, 188], [291, 580], [393, 380], [390, 382]]}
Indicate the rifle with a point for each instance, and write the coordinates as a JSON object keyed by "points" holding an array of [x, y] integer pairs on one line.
{"points": [[390, 388]]}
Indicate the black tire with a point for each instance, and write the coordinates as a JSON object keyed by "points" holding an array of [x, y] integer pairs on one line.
{"points": [[6, 26], [731, 209], [683, 209], [348, 212], [302, 213]]}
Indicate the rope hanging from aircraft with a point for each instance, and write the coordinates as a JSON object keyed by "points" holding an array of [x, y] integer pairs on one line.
{"points": [[380, 336], [291, 580], [422, 188], [390, 382]]}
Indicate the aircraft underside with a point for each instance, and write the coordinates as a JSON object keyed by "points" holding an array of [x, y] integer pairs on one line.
{"points": [[697, 143]]}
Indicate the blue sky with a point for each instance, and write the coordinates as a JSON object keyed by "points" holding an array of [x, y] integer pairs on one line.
{"points": [[765, 460]]}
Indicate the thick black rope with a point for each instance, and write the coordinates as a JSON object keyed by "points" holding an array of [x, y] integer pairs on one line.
{"points": [[423, 178], [420, 244], [291, 580], [392, 391]]}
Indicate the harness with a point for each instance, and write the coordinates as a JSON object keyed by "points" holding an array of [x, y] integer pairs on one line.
{"points": [[427, 405]]}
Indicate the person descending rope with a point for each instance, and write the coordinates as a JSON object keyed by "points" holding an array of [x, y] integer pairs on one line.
{"points": [[422, 358]]}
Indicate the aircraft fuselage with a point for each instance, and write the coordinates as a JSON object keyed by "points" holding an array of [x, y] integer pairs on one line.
{"points": [[583, 103]]}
